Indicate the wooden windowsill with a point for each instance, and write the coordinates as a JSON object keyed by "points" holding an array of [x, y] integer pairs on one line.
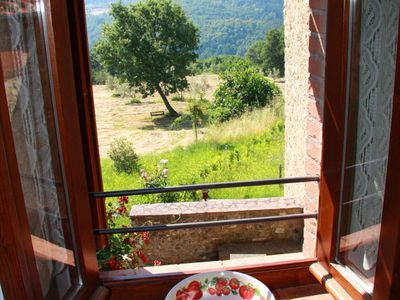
{"points": [[336, 283], [292, 272], [197, 267]]}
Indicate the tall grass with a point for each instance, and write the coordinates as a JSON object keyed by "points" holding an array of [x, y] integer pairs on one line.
{"points": [[251, 123], [248, 148]]}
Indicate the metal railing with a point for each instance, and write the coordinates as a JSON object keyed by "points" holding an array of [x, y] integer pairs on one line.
{"points": [[197, 187]]}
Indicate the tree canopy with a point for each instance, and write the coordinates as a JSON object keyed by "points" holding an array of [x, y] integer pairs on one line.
{"points": [[269, 54], [226, 27], [243, 89], [149, 45]]}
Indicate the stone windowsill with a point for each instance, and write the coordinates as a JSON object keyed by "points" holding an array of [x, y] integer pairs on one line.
{"points": [[214, 206]]}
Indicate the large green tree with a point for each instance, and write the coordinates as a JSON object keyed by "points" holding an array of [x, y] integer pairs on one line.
{"points": [[274, 51], [150, 45], [269, 54]]}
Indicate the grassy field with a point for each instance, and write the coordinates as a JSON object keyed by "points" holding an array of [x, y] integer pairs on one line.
{"points": [[247, 148], [117, 118], [244, 149]]}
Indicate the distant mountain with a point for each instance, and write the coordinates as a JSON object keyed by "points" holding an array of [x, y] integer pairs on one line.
{"points": [[226, 26]]}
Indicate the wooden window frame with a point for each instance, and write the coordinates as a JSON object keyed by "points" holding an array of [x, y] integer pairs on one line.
{"points": [[75, 107], [18, 274], [387, 279]]}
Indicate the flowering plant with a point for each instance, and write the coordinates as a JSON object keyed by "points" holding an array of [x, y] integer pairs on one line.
{"points": [[124, 251], [159, 178]]}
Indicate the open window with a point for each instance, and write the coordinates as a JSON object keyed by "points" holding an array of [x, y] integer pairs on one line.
{"points": [[360, 142], [49, 248], [48, 151]]}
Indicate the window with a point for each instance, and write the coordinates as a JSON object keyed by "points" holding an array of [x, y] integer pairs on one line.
{"points": [[49, 246], [69, 75], [343, 244], [247, 148]]}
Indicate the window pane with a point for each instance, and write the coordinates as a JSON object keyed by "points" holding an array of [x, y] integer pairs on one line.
{"points": [[368, 135], [30, 102]]}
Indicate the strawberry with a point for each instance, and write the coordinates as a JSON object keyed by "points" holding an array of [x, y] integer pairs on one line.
{"points": [[246, 292], [195, 294], [211, 291], [226, 291], [234, 283], [222, 281], [194, 285]]}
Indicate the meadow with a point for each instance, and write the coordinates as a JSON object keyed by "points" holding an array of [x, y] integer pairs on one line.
{"points": [[247, 148]]}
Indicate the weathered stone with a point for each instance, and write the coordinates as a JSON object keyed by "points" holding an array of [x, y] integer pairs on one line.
{"points": [[201, 244]]}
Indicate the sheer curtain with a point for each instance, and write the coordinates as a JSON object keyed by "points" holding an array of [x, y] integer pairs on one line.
{"points": [[29, 96], [378, 47]]}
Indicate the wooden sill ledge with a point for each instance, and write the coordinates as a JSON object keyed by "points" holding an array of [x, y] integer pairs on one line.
{"points": [[336, 284]]}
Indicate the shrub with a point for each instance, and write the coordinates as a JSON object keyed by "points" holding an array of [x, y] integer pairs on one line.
{"points": [[179, 98], [243, 89], [123, 251], [134, 100], [158, 178], [124, 157]]}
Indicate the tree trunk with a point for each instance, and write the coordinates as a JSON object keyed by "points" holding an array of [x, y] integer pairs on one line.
{"points": [[171, 110]]}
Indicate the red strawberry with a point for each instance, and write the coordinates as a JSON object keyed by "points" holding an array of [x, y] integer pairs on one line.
{"points": [[226, 291], [219, 293], [234, 283], [194, 285], [181, 295], [195, 294], [222, 281], [211, 291], [246, 292]]}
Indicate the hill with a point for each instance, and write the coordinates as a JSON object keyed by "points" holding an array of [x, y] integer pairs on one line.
{"points": [[226, 26]]}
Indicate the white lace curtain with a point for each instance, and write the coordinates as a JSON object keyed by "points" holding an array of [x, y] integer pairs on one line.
{"points": [[20, 40], [378, 47]]}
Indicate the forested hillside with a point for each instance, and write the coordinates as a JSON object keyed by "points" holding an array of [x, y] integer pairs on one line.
{"points": [[226, 26]]}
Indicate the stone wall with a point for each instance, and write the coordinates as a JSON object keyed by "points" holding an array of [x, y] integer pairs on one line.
{"points": [[305, 29], [202, 244]]}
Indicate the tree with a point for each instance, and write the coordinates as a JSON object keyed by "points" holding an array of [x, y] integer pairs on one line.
{"points": [[269, 54], [243, 89], [274, 51], [255, 53], [150, 45]]}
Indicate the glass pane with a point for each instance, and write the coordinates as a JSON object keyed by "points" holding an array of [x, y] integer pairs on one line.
{"points": [[368, 135], [30, 102]]}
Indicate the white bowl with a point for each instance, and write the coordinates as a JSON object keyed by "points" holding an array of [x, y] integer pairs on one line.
{"points": [[229, 286]]}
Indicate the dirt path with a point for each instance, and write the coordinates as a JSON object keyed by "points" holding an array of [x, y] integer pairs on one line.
{"points": [[116, 118]]}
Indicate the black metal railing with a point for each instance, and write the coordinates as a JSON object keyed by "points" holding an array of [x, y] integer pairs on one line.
{"points": [[197, 187]]}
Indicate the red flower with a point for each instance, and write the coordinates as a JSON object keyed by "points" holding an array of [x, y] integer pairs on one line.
{"points": [[112, 263], [145, 236], [157, 262], [141, 256], [123, 199]]}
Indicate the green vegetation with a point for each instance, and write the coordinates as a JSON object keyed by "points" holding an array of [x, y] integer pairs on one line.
{"points": [[269, 54], [124, 157], [243, 89], [217, 64], [226, 27], [247, 148], [149, 45]]}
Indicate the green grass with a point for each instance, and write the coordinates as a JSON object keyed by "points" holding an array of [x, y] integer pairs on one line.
{"points": [[229, 156]]}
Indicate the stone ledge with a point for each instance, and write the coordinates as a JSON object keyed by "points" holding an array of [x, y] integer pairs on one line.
{"points": [[214, 206], [205, 242]]}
